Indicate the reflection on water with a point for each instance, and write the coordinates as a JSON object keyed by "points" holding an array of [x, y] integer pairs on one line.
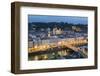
{"points": [[62, 54]]}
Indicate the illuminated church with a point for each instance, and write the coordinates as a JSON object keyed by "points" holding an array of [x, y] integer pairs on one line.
{"points": [[57, 31]]}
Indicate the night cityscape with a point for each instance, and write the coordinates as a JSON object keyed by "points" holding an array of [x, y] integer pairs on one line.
{"points": [[57, 37]]}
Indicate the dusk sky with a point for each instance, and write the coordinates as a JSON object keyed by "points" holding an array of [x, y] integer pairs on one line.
{"points": [[68, 19]]}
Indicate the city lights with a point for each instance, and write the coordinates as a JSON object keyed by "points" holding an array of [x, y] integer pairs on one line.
{"points": [[57, 40]]}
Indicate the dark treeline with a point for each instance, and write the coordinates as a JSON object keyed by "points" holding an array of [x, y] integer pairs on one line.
{"points": [[62, 25]]}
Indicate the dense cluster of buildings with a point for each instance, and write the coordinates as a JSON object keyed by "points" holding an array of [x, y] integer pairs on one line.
{"points": [[53, 36]]}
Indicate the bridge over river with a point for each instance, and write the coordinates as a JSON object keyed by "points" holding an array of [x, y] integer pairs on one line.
{"points": [[72, 45]]}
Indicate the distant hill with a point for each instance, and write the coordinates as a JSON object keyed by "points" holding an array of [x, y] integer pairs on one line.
{"points": [[62, 25]]}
